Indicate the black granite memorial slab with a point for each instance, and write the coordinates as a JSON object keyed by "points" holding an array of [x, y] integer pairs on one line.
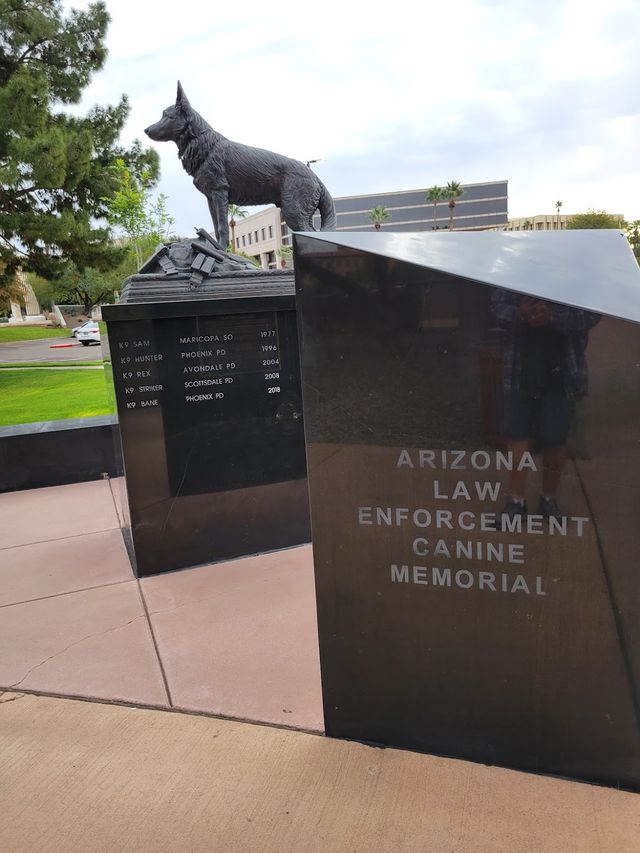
{"points": [[450, 620], [36, 455], [210, 414]]}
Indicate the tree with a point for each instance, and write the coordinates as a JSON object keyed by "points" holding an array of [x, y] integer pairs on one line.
{"points": [[44, 290], [90, 286], [558, 206], [452, 191], [131, 210], [143, 224], [235, 213], [285, 253], [434, 195], [378, 215], [56, 169], [594, 219], [527, 225], [632, 230], [87, 287], [251, 258]]}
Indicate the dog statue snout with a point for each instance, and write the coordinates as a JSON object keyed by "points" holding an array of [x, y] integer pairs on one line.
{"points": [[152, 132]]}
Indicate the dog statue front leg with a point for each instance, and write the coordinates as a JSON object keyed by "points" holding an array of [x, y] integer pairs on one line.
{"points": [[219, 209]]}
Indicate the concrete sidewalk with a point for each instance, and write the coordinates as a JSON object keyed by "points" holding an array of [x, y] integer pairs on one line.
{"points": [[239, 640], [93, 778], [235, 639]]}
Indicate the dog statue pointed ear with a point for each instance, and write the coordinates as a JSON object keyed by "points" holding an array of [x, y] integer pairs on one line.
{"points": [[181, 99]]}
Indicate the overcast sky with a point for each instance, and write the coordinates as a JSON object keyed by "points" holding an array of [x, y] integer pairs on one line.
{"points": [[393, 96]]}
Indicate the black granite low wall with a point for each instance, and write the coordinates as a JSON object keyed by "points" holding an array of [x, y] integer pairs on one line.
{"points": [[53, 453]]}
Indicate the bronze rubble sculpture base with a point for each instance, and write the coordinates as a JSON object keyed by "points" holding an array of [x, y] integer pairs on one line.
{"points": [[201, 258]]}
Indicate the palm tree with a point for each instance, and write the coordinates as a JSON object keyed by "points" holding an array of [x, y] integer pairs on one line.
{"points": [[558, 206], [452, 191], [527, 225], [435, 195], [235, 212], [285, 252], [378, 215]]}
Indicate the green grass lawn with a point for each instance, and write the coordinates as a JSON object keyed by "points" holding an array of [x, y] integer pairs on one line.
{"points": [[25, 365], [27, 396], [9, 334]]}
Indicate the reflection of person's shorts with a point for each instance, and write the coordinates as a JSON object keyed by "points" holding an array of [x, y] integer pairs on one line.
{"points": [[545, 419]]}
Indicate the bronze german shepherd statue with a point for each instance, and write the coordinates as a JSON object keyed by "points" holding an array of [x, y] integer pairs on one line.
{"points": [[230, 173]]}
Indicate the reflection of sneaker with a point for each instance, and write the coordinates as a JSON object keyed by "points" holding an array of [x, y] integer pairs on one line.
{"points": [[511, 509], [548, 507]]}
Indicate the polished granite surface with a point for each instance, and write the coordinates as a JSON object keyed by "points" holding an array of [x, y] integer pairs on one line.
{"points": [[210, 416], [429, 400]]}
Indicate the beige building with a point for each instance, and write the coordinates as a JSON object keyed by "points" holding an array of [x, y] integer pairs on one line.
{"points": [[26, 311], [543, 222], [260, 236]]}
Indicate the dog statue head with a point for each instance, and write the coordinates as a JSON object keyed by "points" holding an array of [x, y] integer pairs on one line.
{"points": [[174, 121]]}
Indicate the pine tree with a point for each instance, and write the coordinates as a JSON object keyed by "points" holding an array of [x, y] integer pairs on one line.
{"points": [[57, 169]]}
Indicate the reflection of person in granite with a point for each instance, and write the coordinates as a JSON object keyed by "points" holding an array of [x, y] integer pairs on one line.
{"points": [[545, 374]]}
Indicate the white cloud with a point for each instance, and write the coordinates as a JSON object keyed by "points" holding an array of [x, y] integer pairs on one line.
{"points": [[398, 96], [584, 48]]}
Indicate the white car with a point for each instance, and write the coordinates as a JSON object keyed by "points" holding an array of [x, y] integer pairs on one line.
{"points": [[89, 333], [76, 329]]}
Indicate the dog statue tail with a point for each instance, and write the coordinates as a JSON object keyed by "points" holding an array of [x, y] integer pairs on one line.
{"points": [[328, 219]]}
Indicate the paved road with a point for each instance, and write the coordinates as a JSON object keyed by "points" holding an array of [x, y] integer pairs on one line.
{"points": [[41, 350]]}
